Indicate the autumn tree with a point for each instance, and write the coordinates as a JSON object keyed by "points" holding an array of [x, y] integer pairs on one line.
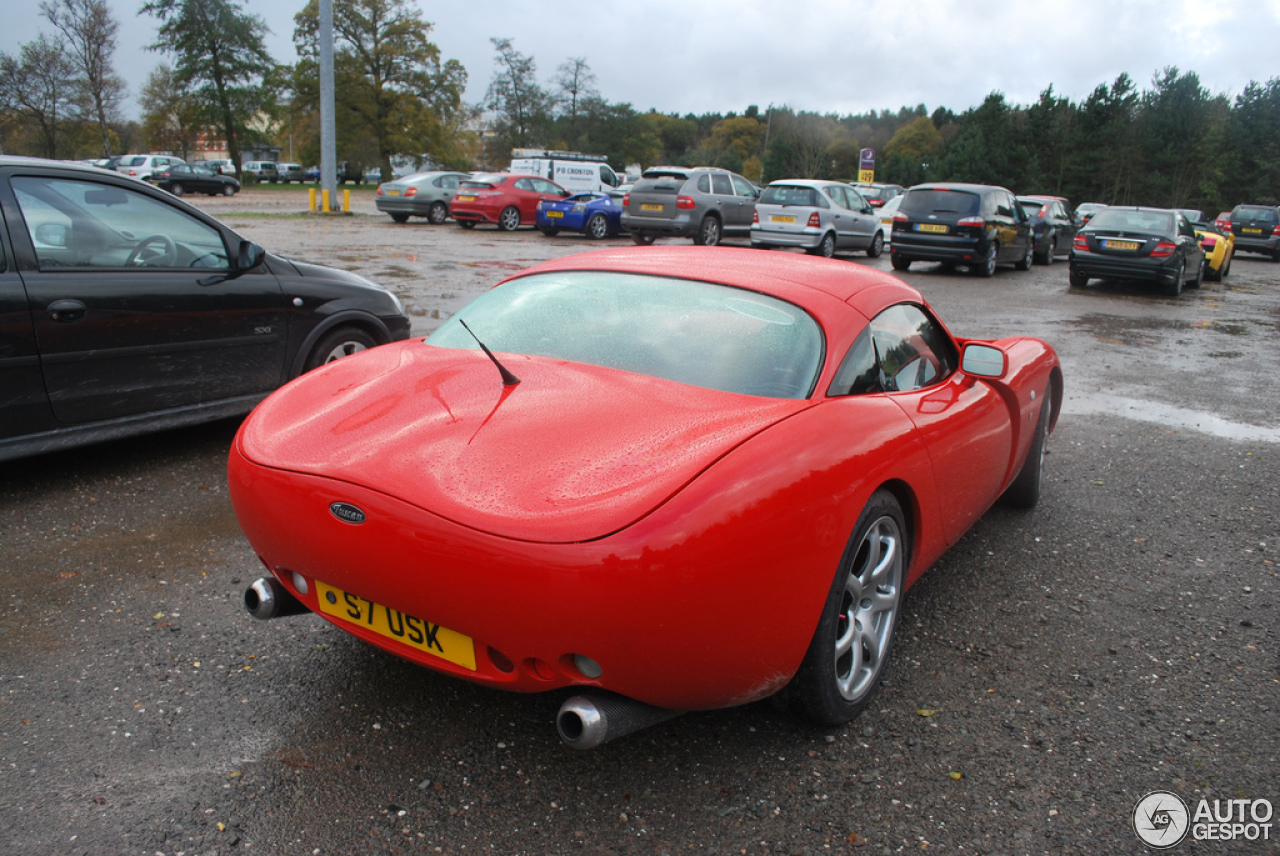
{"points": [[37, 87], [89, 30], [522, 105], [170, 113], [220, 57]]}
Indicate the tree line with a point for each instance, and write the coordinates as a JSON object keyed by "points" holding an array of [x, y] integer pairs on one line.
{"points": [[1172, 143]]}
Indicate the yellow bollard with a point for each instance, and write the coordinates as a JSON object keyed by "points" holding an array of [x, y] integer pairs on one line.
{"points": [[346, 201], [324, 198], [311, 201]]}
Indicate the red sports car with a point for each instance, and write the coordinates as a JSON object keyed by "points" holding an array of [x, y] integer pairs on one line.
{"points": [[679, 478], [507, 199]]}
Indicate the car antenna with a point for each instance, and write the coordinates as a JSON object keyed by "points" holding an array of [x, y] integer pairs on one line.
{"points": [[508, 379]]}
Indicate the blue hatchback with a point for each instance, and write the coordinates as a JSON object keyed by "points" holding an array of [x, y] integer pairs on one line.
{"points": [[598, 215]]}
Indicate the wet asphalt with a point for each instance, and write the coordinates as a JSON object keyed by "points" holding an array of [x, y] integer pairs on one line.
{"points": [[1054, 667]]}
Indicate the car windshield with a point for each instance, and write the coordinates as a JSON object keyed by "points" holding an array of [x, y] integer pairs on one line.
{"points": [[1129, 220], [699, 333], [930, 201], [788, 194]]}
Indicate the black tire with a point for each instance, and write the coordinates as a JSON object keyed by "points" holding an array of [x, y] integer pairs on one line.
{"points": [[597, 227], [1199, 280], [1077, 280], [437, 213], [643, 239], [1275, 255], [898, 262], [826, 247], [1024, 491], [846, 658], [509, 219], [877, 246], [708, 232], [230, 190], [1173, 289], [467, 224], [177, 189], [338, 343], [1226, 268], [1047, 257], [987, 267], [400, 217], [1024, 263]]}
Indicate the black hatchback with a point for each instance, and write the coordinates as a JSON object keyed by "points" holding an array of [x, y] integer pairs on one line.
{"points": [[124, 310], [1257, 229], [977, 225]]}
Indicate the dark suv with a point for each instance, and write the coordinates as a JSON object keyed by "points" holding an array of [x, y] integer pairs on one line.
{"points": [[704, 203], [964, 224], [1257, 229]]}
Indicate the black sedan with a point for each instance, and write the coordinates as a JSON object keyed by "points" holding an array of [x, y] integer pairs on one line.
{"points": [[183, 178], [124, 310], [1151, 244], [1052, 228]]}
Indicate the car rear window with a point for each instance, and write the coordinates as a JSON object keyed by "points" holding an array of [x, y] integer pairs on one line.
{"points": [[661, 183], [699, 333], [1254, 212], [482, 180], [1032, 208], [939, 201], [1122, 220], [788, 194], [138, 161]]}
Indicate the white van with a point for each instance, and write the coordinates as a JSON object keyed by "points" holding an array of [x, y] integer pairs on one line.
{"points": [[573, 171]]}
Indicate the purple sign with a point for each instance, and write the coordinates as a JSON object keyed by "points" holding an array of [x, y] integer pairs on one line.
{"points": [[867, 159]]}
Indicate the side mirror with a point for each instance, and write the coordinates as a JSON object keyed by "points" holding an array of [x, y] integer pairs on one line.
{"points": [[983, 361], [249, 256], [52, 235]]}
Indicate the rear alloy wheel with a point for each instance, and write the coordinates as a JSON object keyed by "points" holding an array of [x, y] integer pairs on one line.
{"points": [[826, 247], [339, 343], [987, 267], [437, 213], [1173, 289], [642, 238], [850, 648], [597, 227], [509, 219], [177, 189], [1049, 253], [400, 217], [708, 232], [898, 262], [229, 190], [877, 246]]}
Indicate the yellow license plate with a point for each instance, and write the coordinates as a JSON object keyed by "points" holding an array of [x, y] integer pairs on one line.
{"points": [[649, 206], [1121, 245], [781, 218], [1249, 231], [466, 199], [937, 228], [555, 214], [393, 193], [407, 629]]}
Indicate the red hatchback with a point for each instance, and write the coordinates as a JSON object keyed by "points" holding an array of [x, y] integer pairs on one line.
{"points": [[504, 198]]}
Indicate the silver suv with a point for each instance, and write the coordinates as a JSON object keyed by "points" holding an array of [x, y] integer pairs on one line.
{"points": [[704, 203]]}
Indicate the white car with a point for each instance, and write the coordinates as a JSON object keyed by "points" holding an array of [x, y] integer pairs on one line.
{"points": [[818, 216], [886, 213], [142, 166]]}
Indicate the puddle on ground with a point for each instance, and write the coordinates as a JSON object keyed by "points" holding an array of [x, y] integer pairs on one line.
{"points": [[1137, 332], [1170, 416]]}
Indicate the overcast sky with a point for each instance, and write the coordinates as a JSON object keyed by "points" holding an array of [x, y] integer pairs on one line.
{"points": [[702, 56]]}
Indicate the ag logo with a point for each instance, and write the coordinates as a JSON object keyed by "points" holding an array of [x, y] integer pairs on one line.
{"points": [[346, 512], [1161, 819]]}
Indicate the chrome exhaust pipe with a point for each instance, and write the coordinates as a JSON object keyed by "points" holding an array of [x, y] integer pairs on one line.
{"points": [[267, 598], [584, 722]]}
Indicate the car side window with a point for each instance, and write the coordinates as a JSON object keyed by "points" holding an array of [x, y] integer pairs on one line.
{"points": [[704, 183], [901, 350], [85, 224], [523, 184], [721, 185], [743, 186], [837, 195]]}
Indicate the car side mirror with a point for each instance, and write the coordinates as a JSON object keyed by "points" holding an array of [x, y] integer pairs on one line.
{"points": [[983, 361], [52, 235], [249, 256]]}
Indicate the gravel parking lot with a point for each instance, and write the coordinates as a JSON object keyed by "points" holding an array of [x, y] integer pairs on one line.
{"points": [[1051, 669]]}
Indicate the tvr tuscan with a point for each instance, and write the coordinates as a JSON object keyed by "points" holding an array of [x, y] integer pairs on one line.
{"points": [[679, 478]]}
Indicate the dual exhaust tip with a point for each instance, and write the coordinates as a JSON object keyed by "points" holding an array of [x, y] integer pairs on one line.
{"points": [[584, 721]]}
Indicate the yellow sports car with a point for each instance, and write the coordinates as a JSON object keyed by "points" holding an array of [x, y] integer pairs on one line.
{"points": [[1218, 248]]}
